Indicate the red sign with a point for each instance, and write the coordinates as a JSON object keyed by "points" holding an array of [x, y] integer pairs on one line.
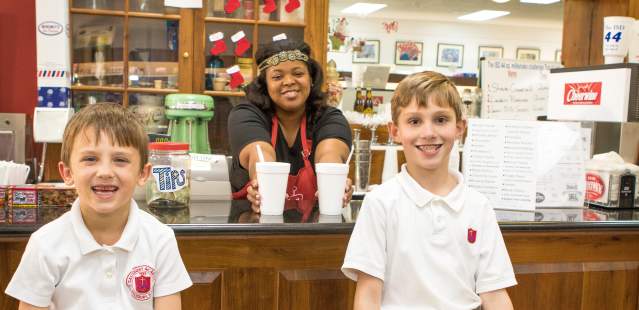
{"points": [[582, 93], [594, 186], [472, 235]]}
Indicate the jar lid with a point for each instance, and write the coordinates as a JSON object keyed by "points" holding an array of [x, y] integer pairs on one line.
{"points": [[168, 146]]}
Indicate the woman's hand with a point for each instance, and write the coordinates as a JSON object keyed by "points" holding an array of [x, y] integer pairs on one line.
{"points": [[253, 196], [348, 192]]}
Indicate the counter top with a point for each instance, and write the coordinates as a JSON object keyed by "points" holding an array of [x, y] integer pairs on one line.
{"points": [[235, 217]]}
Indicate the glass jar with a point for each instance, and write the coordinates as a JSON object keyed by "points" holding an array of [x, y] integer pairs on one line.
{"points": [[246, 68], [170, 183]]}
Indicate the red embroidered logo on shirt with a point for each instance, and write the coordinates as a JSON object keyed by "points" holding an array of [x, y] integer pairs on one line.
{"points": [[140, 282], [472, 235]]}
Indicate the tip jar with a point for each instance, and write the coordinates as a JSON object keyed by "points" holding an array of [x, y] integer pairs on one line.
{"points": [[170, 183]]}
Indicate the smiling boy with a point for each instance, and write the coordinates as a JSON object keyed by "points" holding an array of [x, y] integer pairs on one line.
{"points": [[425, 240], [104, 253]]}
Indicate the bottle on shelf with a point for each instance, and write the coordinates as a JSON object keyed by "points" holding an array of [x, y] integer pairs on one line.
{"points": [[368, 102], [358, 106]]}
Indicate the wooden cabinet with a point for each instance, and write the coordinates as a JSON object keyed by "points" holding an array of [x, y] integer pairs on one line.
{"points": [[556, 269], [134, 52]]}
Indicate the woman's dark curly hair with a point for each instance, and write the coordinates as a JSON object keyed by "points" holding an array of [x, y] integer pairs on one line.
{"points": [[257, 91]]}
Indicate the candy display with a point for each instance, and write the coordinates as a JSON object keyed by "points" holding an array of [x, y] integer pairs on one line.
{"points": [[58, 195]]}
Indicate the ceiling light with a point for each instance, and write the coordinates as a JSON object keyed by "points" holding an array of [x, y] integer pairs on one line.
{"points": [[363, 8], [483, 15], [501, 1], [539, 1]]}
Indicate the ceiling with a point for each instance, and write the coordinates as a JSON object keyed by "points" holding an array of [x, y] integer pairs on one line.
{"points": [[521, 14]]}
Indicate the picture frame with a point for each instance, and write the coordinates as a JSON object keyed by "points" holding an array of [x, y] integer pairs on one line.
{"points": [[450, 55], [558, 56], [489, 52], [369, 53], [409, 53], [524, 53]]}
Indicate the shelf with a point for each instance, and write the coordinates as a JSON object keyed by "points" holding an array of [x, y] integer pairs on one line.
{"points": [[97, 88], [152, 90], [121, 89], [123, 13], [216, 93], [154, 15], [97, 12], [225, 20], [280, 24]]}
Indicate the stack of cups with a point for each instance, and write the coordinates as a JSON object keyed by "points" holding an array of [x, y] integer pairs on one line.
{"points": [[272, 178], [362, 158], [618, 32], [331, 182]]}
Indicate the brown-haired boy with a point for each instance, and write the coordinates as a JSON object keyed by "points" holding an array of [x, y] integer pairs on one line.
{"points": [[424, 239], [105, 253]]}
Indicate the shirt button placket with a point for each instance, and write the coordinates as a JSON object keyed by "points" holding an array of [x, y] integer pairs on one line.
{"points": [[110, 280]]}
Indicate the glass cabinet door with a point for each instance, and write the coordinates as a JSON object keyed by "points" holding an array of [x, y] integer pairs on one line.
{"points": [[129, 55]]}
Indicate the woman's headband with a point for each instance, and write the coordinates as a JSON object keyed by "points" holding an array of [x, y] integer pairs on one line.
{"points": [[282, 57]]}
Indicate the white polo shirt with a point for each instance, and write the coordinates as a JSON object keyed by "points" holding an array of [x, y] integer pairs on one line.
{"points": [[423, 246], [63, 267]]}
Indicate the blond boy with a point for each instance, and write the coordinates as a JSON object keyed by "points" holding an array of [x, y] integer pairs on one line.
{"points": [[104, 253], [425, 240]]}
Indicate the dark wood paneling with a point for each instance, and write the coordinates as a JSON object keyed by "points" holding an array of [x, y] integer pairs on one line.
{"points": [[541, 291], [315, 290], [316, 31], [576, 33], [206, 292]]}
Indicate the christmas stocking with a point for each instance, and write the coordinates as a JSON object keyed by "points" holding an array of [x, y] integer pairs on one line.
{"points": [[236, 77], [231, 6], [219, 46], [292, 5], [269, 6], [242, 44]]}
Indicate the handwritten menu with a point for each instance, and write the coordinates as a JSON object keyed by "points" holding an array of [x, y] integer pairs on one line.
{"points": [[514, 163], [515, 89]]}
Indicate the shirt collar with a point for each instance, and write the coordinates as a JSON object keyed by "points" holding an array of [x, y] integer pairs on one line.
{"points": [[422, 197], [87, 242]]}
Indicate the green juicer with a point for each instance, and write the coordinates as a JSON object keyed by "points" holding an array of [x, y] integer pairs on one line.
{"points": [[189, 116]]}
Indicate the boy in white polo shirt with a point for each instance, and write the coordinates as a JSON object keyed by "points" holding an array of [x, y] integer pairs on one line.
{"points": [[425, 240], [105, 253]]}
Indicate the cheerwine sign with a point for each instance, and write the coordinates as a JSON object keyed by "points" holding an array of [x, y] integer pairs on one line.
{"points": [[582, 93]]}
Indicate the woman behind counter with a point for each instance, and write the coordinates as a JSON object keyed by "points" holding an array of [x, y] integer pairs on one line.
{"points": [[286, 103]]}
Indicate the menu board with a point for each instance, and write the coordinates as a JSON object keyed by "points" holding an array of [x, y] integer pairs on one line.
{"points": [[514, 89], [518, 165]]}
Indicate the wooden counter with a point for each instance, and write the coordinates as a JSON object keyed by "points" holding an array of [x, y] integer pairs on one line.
{"points": [[564, 259]]}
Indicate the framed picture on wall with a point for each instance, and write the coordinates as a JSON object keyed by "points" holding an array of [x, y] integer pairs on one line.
{"points": [[558, 56], [450, 55], [489, 52], [528, 53], [408, 53], [367, 52]]}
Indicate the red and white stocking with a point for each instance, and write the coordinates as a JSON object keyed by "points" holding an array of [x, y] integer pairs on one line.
{"points": [[236, 77], [269, 6], [292, 5], [241, 43], [219, 46], [231, 6]]}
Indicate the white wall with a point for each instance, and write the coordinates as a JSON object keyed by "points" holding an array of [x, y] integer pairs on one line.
{"points": [[471, 35]]}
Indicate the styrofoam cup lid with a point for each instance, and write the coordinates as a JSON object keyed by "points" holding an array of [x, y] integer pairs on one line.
{"points": [[272, 167]]}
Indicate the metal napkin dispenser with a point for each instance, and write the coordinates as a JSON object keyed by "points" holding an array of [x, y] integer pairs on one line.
{"points": [[605, 93]]}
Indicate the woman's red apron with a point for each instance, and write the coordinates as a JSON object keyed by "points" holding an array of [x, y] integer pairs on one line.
{"points": [[301, 188]]}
